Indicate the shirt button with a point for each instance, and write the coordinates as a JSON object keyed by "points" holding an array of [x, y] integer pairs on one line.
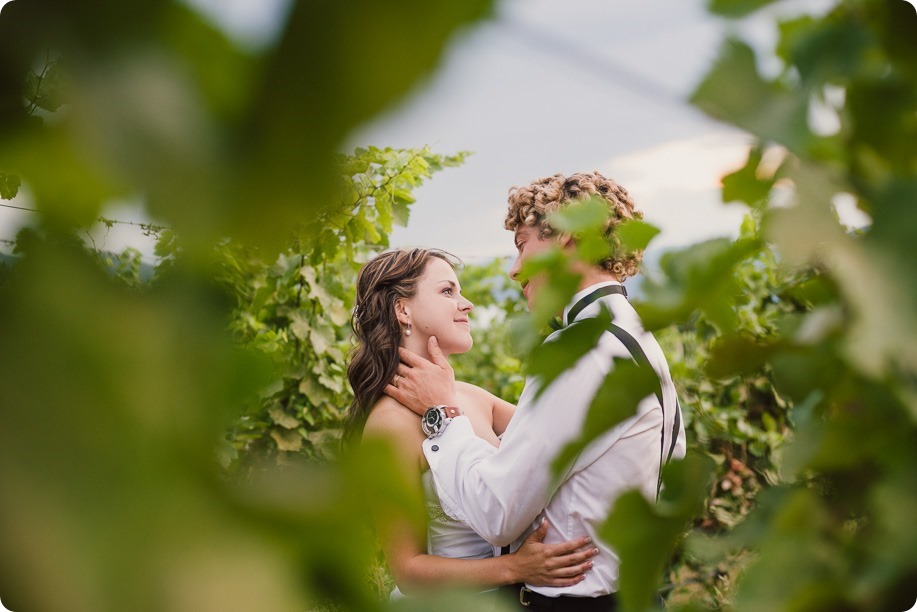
{"points": [[434, 448]]}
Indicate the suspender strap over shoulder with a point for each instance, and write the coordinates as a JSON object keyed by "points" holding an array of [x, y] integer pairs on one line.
{"points": [[592, 297], [637, 353]]}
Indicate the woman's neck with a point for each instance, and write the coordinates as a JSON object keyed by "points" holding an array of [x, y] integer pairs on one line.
{"points": [[416, 343]]}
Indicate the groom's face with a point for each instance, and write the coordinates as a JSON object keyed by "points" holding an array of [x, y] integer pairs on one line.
{"points": [[529, 243]]}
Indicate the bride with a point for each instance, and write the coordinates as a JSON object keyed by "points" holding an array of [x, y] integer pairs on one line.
{"points": [[404, 297]]}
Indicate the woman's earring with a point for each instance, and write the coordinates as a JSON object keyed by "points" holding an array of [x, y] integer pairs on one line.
{"points": [[407, 330]]}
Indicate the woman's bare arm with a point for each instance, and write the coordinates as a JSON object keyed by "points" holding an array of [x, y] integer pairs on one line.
{"points": [[499, 412], [503, 411], [535, 563], [404, 544]]}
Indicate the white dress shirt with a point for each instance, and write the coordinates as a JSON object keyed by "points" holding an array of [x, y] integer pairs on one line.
{"points": [[502, 492]]}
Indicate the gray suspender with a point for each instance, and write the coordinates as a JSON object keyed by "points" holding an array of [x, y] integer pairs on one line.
{"points": [[638, 355]]}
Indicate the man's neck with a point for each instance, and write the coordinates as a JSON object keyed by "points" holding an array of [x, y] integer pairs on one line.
{"points": [[594, 277]]}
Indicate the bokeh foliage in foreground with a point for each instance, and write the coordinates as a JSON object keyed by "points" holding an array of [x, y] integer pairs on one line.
{"points": [[837, 530], [114, 396]]}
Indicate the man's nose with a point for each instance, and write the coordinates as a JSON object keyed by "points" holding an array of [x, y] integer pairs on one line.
{"points": [[514, 270]]}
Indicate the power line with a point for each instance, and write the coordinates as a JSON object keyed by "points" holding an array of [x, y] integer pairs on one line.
{"points": [[148, 228], [103, 220], [19, 208], [608, 70]]}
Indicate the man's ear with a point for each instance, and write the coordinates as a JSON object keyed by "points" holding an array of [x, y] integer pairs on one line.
{"points": [[566, 241], [402, 311]]}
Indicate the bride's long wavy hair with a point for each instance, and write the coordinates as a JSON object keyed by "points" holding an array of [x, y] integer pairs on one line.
{"points": [[382, 281]]}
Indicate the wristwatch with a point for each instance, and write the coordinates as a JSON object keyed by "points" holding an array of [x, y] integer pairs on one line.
{"points": [[436, 418]]}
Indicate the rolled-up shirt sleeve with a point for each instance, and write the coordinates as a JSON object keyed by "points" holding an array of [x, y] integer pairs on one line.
{"points": [[499, 492]]}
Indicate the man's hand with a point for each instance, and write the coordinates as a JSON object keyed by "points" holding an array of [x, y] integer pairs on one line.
{"points": [[420, 383], [557, 565]]}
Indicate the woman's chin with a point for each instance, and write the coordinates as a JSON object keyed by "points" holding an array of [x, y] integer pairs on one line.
{"points": [[457, 348]]}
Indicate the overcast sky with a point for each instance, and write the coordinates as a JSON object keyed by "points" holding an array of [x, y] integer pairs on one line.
{"points": [[552, 86], [549, 86]]}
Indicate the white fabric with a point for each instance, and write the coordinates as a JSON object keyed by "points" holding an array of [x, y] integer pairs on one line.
{"points": [[447, 537], [501, 492]]}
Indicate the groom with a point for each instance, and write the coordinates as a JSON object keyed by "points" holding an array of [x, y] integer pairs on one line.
{"points": [[502, 493]]}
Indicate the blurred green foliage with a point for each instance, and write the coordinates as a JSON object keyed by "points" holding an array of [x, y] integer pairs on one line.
{"points": [[793, 346], [117, 391], [833, 339]]}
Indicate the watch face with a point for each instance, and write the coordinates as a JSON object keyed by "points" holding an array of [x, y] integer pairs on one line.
{"points": [[433, 420], [432, 417]]}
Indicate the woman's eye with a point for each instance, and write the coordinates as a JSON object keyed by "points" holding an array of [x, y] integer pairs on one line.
{"points": [[447, 291]]}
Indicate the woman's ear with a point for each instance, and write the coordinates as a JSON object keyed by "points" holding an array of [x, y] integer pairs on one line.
{"points": [[566, 241], [402, 312]]}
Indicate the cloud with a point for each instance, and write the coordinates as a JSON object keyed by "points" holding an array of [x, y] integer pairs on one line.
{"points": [[690, 165], [677, 184]]}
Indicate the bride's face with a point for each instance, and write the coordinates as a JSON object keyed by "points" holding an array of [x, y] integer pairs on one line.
{"points": [[438, 309]]}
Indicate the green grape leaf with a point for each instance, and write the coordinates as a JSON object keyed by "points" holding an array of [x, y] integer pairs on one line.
{"points": [[280, 417], [744, 185], [564, 349], [736, 8], [635, 234], [733, 91], [589, 214], [700, 277], [9, 185]]}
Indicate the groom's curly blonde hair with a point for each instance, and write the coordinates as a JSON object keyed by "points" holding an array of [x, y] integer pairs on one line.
{"points": [[530, 205]]}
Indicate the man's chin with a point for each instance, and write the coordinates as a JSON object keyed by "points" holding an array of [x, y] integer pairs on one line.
{"points": [[529, 292]]}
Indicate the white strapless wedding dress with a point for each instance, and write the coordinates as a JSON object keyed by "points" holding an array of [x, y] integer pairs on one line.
{"points": [[447, 537]]}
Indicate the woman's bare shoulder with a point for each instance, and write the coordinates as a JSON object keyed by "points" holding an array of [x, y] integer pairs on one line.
{"points": [[389, 417], [474, 391], [464, 387], [392, 422]]}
